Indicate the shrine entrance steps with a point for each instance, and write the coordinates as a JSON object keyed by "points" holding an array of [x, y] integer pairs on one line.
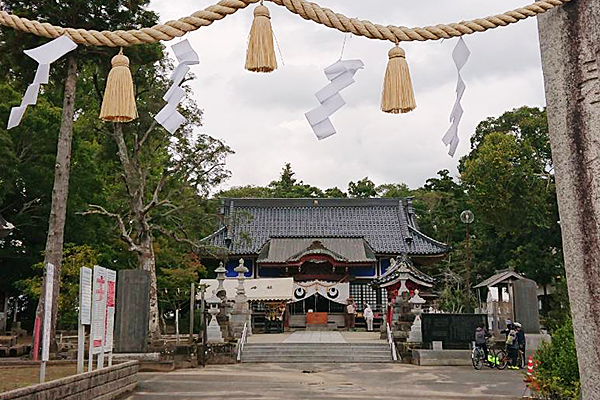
{"points": [[317, 347]]}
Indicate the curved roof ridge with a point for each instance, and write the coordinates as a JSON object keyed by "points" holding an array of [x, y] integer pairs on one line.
{"points": [[419, 233]]}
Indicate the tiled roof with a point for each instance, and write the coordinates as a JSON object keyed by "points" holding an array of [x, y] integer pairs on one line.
{"points": [[399, 268], [353, 250], [500, 277], [383, 223]]}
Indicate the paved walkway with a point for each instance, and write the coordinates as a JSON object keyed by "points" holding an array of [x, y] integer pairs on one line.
{"points": [[316, 337], [329, 382]]}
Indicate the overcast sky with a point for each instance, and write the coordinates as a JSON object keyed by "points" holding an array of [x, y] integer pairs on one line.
{"points": [[261, 116]]}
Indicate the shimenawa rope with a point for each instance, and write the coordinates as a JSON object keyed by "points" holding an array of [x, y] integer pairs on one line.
{"points": [[305, 9]]}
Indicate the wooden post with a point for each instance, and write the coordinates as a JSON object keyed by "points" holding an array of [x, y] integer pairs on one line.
{"points": [[569, 41], [192, 306], [177, 326], [80, 346]]}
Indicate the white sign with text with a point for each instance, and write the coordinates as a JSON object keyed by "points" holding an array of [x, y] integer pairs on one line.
{"points": [[47, 311], [98, 310], [111, 281], [85, 296]]}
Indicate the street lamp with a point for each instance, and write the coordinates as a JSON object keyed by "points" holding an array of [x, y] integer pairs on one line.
{"points": [[467, 218]]}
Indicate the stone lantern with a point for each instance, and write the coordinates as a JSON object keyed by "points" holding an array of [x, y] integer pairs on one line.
{"points": [[416, 335], [221, 271], [240, 315], [213, 331]]}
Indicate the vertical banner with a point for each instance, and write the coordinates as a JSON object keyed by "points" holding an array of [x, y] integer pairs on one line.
{"points": [[98, 310], [85, 296], [109, 326], [47, 311], [85, 312], [48, 292]]}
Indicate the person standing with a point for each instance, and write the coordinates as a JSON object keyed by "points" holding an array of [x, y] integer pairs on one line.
{"points": [[368, 314], [512, 348], [350, 310], [481, 336], [521, 337]]}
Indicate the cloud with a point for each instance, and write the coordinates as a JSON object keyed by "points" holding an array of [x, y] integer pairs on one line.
{"points": [[261, 116]]}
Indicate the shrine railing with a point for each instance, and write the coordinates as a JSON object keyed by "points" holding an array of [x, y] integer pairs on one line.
{"points": [[391, 342], [242, 341]]}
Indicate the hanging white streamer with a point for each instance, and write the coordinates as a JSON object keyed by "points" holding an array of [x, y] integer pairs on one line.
{"points": [[168, 116], [45, 55], [340, 74], [460, 55]]}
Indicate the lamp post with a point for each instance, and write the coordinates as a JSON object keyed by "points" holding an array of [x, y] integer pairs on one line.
{"points": [[467, 218]]}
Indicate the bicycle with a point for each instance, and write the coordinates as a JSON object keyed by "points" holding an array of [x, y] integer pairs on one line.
{"points": [[504, 359], [478, 358]]}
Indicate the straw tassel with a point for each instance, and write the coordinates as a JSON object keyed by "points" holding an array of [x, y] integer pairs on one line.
{"points": [[398, 96], [261, 52], [118, 104]]}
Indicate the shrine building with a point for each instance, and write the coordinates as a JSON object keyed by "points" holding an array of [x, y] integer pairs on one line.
{"points": [[332, 248]]}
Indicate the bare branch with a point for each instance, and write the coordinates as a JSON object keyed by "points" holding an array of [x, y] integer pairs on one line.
{"points": [[159, 187], [152, 126], [215, 251], [94, 209]]}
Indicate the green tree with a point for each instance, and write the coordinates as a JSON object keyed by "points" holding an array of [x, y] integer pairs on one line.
{"points": [[245, 192], [394, 190], [98, 15], [288, 187], [362, 188], [335, 193], [166, 178], [508, 176], [74, 258]]}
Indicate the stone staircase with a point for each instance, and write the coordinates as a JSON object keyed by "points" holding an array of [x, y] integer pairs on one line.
{"points": [[316, 353]]}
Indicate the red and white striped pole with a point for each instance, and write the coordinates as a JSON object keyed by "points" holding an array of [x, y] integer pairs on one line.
{"points": [[529, 376]]}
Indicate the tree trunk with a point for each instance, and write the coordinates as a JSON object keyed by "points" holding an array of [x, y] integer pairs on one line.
{"points": [[143, 246], [569, 37], [147, 262], [60, 193]]}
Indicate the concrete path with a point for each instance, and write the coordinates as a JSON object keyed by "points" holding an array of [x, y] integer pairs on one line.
{"points": [[329, 382], [316, 337]]}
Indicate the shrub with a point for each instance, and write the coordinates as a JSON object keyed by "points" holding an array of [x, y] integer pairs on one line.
{"points": [[557, 373]]}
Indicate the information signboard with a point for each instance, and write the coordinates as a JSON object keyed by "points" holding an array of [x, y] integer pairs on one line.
{"points": [[85, 296], [111, 281], [98, 310], [47, 311]]}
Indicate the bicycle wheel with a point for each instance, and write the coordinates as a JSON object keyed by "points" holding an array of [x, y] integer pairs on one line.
{"points": [[501, 359], [477, 358]]}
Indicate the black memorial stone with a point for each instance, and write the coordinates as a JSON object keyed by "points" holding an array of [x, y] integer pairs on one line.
{"points": [[451, 329], [133, 308]]}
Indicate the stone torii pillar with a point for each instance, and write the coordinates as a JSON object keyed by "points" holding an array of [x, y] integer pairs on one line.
{"points": [[570, 47]]}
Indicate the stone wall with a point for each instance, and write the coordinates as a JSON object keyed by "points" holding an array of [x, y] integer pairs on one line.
{"points": [[103, 384]]}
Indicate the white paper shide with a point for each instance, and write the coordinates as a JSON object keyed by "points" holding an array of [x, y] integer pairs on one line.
{"points": [[460, 55], [341, 75], [45, 55], [168, 116]]}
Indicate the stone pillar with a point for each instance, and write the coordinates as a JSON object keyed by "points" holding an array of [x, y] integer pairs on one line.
{"points": [[224, 309], [241, 310], [570, 44]]}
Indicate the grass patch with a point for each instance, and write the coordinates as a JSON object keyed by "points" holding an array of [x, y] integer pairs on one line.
{"points": [[18, 376]]}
